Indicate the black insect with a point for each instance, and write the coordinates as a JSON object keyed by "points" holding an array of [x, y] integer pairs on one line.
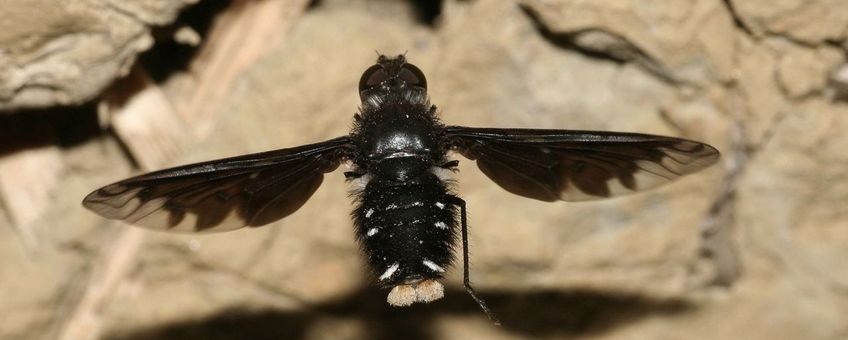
{"points": [[407, 214]]}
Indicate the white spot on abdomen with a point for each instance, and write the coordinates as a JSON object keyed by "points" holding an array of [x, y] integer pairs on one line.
{"points": [[440, 205], [372, 231], [433, 266], [369, 213], [441, 225], [388, 273]]}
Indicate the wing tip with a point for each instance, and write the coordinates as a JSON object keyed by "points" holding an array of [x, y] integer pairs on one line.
{"points": [[708, 157]]}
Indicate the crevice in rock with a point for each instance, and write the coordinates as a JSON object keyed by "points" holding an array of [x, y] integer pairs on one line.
{"points": [[837, 44], [566, 40], [428, 11], [793, 40], [126, 152], [744, 27], [120, 10], [313, 4], [717, 245], [617, 49], [173, 49], [755, 148], [665, 116], [837, 83], [737, 20], [62, 126]]}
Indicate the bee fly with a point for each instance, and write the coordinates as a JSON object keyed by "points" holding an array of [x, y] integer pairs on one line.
{"points": [[407, 215]]}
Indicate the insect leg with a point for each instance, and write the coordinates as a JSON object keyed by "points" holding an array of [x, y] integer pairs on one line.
{"points": [[466, 281]]}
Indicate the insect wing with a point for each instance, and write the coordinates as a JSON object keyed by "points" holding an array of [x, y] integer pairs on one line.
{"points": [[572, 165], [250, 190]]}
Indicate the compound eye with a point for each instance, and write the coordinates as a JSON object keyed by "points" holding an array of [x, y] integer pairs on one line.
{"points": [[373, 76], [411, 75]]}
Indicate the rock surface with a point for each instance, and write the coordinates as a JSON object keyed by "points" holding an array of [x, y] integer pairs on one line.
{"points": [[752, 248], [67, 52], [807, 22]]}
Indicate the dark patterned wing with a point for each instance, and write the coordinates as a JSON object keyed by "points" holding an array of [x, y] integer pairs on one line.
{"points": [[569, 165], [250, 190]]}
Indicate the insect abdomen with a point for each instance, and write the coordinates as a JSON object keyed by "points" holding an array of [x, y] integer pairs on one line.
{"points": [[406, 229]]}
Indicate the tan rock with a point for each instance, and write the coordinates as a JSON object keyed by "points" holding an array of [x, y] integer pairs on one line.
{"points": [[805, 71], [690, 41], [811, 22], [791, 222], [634, 267], [65, 53]]}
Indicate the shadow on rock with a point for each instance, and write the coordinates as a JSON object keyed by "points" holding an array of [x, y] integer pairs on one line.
{"points": [[538, 313], [63, 127]]}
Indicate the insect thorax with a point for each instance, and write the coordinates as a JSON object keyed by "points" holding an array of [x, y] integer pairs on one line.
{"points": [[400, 126]]}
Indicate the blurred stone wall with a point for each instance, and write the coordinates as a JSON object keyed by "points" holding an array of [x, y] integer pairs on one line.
{"points": [[749, 249], [66, 52]]}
